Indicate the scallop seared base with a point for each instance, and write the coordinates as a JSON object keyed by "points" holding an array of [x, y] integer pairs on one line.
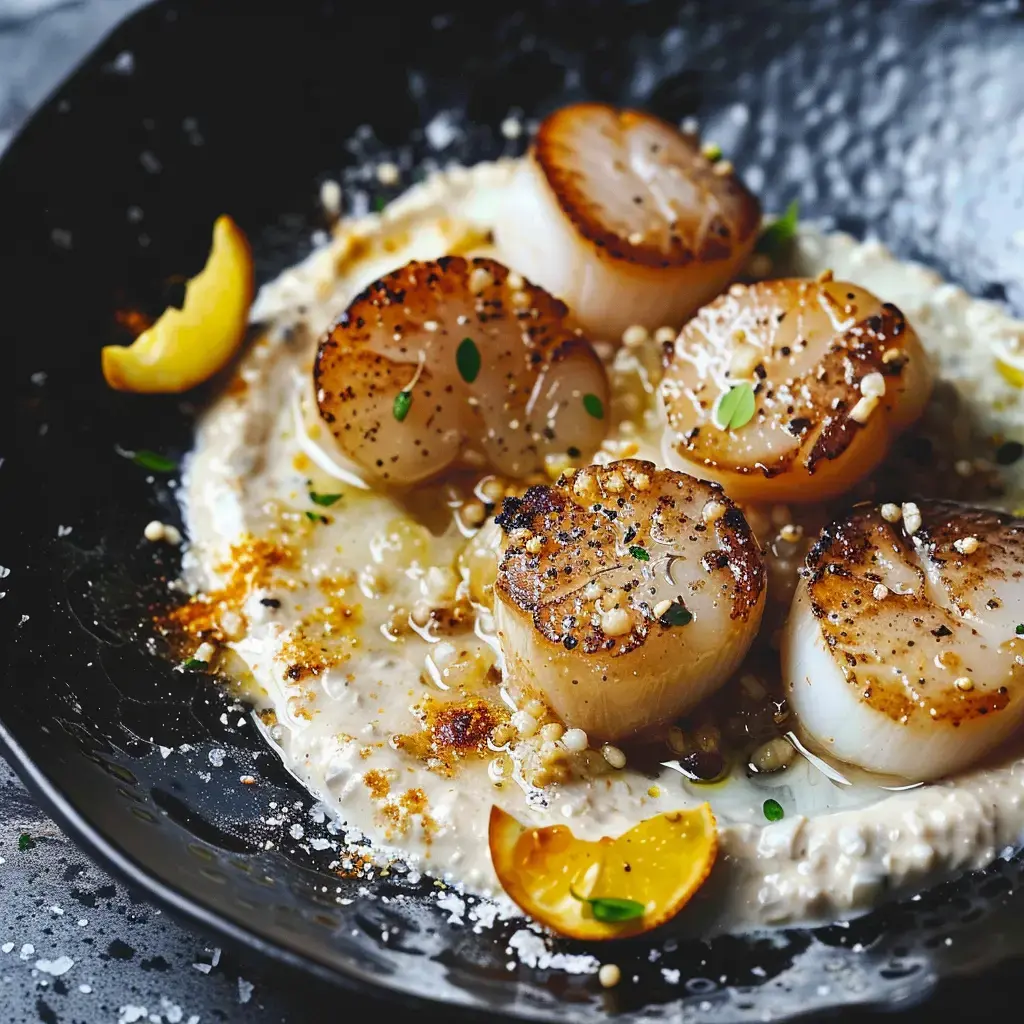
{"points": [[360, 619]]}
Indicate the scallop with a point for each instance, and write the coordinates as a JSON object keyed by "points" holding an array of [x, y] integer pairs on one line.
{"points": [[830, 373], [458, 362], [620, 214], [626, 594], [903, 651]]}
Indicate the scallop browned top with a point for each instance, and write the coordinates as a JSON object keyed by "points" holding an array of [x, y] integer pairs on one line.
{"points": [[458, 360], [924, 625], [651, 535], [835, 374], [640, 189]]}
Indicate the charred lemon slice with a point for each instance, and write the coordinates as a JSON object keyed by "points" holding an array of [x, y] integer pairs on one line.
{"points": [[611, 888], [189, 345]]}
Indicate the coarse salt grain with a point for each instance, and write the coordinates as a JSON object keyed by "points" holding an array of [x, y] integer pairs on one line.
{"points": [[891, 513], [911, 517], [511, 128], [881, 592], [967, 545]]}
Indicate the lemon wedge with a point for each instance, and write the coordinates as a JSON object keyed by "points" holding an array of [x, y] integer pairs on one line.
{"points": [[611, 888], [189, 345]]}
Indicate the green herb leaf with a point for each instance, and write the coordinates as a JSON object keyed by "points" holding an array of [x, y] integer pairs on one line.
{"points": [[773, 810], [640, 553], [326, 500], [154, 461], [315, 517], [676, 615], [194, 664], [25, 842], [467, 359], [611, 909], [735, 408], [1020, 629], [379, 202], [594, 406], [400, 409], [780, 233]]}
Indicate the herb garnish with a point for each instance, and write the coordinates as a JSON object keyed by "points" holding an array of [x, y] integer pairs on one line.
{"points": [[611, 909], [713, 152], [780, 233], [467, 359], [315, 517], [677, 614], [1020, 629], [194, 664], [326, 500], [400, 409], [773, 810], [154, 461], [735, 408], [25, 842], [379, 202], [641, 554], [594, 406]]}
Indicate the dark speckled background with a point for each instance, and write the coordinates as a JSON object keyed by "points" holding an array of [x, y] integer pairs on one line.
{"points": [[129, 963]]}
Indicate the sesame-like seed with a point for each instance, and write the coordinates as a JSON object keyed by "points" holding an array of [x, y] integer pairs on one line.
{"points": [[665, 335], [533, 545], [616, 622], [911, 517], [536, 708], [791, 532], [515, 281], [609, 975], [723, 168], [641, 481], [967, 545], [473, 513], [745, 359], [520, 535], [773, 755], [615, 757], [964, 683], [154, 531], [661, 607], [520, 299], [502, 734], [430, 325], [172, 535], [891, 513], [575, 740], [873, 385], [635, 334], [891, 355], [881, 592], [635, 237], [592, 591], [861, 412], [479, 279], [330, 197], [205, 652], [712, 511], [421, 612], [551, 732]]}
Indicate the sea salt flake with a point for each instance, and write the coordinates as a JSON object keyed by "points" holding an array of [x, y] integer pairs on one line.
{"points": [[244, 990], [57, 967]]}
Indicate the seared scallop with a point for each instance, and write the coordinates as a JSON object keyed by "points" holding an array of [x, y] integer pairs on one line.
{"points": [[458, 361], [625, 596], [903, 650], [828, 374], [620, 214]]}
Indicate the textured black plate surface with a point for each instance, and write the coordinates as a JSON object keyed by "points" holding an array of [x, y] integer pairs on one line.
{"points": [[903, 120]]}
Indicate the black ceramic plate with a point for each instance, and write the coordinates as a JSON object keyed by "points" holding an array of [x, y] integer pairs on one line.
{"points": [[903, 119]]}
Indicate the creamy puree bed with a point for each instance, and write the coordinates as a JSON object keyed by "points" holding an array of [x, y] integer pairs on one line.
{"points": [[324, 607]]}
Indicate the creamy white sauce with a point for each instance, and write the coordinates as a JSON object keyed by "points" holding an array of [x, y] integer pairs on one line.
{"points": [[840, 848]]}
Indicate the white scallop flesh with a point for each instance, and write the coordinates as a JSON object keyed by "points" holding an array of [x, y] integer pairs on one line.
{"points": [[625, 596], [458, 362], [619, 214], [816, 354], [901, 653]]}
